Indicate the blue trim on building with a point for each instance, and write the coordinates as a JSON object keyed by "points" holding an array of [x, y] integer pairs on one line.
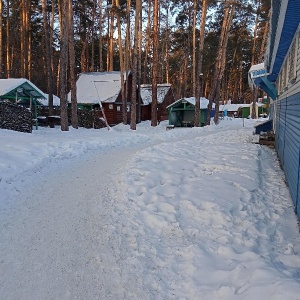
{"points": [[290, 25], [266, 86]]}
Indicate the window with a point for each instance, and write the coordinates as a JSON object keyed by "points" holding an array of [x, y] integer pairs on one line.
{"points": [[292, 60]]}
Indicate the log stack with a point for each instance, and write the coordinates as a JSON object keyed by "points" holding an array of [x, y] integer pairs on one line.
{"points": [[15, 117], [85, 118]]}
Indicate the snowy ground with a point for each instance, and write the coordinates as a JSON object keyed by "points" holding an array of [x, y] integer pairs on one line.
{"points": [[189, 213]]}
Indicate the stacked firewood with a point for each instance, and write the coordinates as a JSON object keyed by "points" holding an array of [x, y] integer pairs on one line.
{"points": [[85, 118], [15, 117]]}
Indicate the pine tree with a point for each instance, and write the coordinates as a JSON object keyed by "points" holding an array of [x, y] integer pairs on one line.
{"points": [[155, 64]]}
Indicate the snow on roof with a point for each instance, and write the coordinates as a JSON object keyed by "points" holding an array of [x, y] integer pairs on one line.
{"points": [[257, 67], [56, 100], [235, 107], [146, 92], [230, 107], [203, 102], [7, 85], [95, 86]]}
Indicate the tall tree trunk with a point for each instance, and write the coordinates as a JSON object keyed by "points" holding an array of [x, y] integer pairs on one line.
{"points": [[139, 70], [83, 55], [22, 37], [194, 48], [108, 36], [74, 117], [220, 61], [260, 55], [111, 39], [51, 36], [147, 43], [254, 61], [185, 71], [8, 50], [199, 75], [122, 67], [167, 46], [29, 56], [155, 63], [135, 65], [27, 39], [64, 31], [1, 40], [127, 62], [263, 43], [92, 67], [48, 57], [100, 37]]}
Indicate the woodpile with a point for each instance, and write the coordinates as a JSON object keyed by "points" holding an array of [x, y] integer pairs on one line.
{"points": [[90, 119], [85, 118], [15, 117]]}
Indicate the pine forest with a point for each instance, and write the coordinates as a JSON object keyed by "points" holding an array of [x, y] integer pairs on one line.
{"points": [[201, 47]]}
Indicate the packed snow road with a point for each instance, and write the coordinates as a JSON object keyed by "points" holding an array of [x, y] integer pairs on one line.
{"points": [[189, 213], [60, 233]]}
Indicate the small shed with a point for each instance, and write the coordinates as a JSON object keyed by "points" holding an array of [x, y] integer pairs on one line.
{"points": [[21, 91], [229, 110], [182, 112], [165, 97]]}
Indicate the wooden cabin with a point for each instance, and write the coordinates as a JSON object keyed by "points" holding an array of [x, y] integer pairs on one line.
{"points": [[106, 87]]}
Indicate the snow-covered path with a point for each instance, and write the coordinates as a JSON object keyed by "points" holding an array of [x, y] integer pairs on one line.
{"points": [[185, 214], [212, 220]]}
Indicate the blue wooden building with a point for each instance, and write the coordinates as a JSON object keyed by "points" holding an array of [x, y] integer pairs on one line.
{"points": [[279, 77]]}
